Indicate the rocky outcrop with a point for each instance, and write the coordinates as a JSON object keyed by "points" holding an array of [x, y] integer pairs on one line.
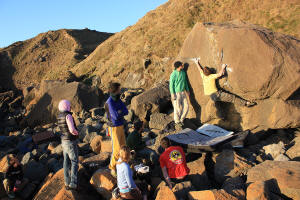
{"points": [[263, 66], [49, 54], [230, 164], [103, 182], [43, 108], [153, 100], [54, 188], [211, 194], [281, 177], [159, 121]]}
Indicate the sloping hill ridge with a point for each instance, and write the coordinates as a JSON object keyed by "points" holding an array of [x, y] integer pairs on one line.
{"points": [[160, 33], [47, 56]]}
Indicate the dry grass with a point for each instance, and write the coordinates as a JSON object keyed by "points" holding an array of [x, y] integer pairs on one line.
{"points": [[49, 55], [160, 34]]}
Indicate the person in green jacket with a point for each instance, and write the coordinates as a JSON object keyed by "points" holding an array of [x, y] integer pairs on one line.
{"points": [[134, 142], [180, 93]]}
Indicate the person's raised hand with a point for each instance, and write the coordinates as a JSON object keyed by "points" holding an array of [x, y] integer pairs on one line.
{"points": [[224, 66]]}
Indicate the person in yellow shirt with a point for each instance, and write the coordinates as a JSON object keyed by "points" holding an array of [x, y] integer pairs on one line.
{"points": [[210, 88]]}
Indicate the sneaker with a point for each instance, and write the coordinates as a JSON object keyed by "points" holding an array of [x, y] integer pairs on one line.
{"points": [[11, 195], [178, 126], [250, 104], [116, 193], [113, 173], [73, 187]]}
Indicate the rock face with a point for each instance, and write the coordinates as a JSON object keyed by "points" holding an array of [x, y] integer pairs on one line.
{"points": [[229, 164], [211, 194], [154, 100], [54, 188], [165, 193], [103, 182], [262, 66], [159, 121], [294, 151], [284, 175], [43, 108]]}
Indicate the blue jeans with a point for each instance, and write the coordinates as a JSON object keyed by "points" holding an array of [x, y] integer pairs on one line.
{"points": [[70, 151], [148, 154]]}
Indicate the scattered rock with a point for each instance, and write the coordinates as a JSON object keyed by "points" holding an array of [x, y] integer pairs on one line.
{"points": [[96, 144], [211, 195], [106, 145], [28, 191], [45, 107], [26, 158], [95, 162], [103, 182], [259, 191], [235, 186], [198, 174], [281, 157], [165, 193], [154, 100], [35, 171], [96, 112], [57, 150], [285, 175], [294, 151], [229, 164], [274, 150], [159, 121]]}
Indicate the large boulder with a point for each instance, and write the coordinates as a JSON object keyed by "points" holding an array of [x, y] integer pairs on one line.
{"points": [[103, 182], [95, 162], [54, 188], [211, 195], [263, 66], [157, 99], [159, 121], [294, 151], [165, 193], [229, 164], [198, 174], [284, 175], [43, 108]]}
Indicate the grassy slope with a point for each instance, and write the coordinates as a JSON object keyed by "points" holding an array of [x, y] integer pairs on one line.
{"points": [[48, 55], [161, 32]]}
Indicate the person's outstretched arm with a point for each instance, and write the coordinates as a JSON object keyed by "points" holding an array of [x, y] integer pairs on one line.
{"points": [[222, 72], [199, 66]]}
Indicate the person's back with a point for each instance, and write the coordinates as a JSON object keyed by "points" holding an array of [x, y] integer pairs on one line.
{"points": [[173, 158], [134, 141], [209, 83], [124, 173]]}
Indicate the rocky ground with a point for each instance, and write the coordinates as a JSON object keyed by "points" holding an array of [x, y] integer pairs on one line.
{"points": [[267, 167]]}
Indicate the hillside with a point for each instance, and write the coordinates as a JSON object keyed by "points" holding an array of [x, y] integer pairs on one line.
{"points": [[48, 55], [161, 32]]}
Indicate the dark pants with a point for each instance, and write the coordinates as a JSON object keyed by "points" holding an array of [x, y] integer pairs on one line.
{"points": [[224, 96]]}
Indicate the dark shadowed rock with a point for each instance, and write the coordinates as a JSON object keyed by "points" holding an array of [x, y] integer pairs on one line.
{"points": [[159, 120], [95, 162], [154, 100], [43, 108], [229, 164]]}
